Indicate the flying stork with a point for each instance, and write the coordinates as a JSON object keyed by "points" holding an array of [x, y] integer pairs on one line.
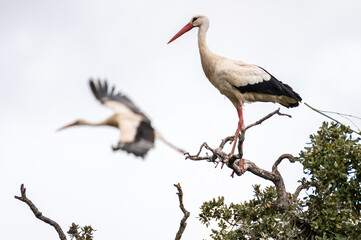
{"points": [[137, 134], [240, 82]]}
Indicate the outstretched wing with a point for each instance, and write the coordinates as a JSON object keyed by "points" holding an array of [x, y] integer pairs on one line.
{"points": [[117, 101]]}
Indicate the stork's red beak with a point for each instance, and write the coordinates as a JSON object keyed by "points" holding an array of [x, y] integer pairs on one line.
{"points": [[66, 126], [185, 29]]}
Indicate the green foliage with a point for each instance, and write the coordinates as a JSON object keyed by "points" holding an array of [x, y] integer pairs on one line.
{"points": [[333, 166], [85, 233], [331, 209], [258, 218]]}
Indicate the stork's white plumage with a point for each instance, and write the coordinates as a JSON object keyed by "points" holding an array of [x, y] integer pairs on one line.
{"points": [[137, 134], [238, 81]]}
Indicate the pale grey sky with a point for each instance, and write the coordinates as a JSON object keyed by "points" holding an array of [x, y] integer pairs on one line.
{"points": [[49, 50]]}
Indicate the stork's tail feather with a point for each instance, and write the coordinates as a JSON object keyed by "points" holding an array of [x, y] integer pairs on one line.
{"points": [[160, 137], [290, 105]]}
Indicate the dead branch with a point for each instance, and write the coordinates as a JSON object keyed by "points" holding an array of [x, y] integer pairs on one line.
{"points": [[217, 155], [299, 189], [232, 161], [38, 214], [279, 160], [274, 176], [183, 223], [267, 117]]}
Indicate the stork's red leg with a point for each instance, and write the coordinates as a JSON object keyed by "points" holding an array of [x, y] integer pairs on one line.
{"points": [[240, 126]]}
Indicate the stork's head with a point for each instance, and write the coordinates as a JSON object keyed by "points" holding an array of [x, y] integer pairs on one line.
{"points": [[196, 21], [78, 122]]}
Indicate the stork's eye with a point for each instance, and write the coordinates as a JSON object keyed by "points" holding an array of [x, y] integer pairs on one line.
{"points": [[194, 19]]}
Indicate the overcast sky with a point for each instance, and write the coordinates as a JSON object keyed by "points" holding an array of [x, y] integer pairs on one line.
{"points": [[49, 50]]}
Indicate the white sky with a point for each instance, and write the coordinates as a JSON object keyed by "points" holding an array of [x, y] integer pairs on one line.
{"points": [[49, 50]]}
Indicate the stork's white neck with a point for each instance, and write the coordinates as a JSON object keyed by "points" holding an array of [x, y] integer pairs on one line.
{"points": [[107, 122], [202, 32], [87, 123], [207, 57]]}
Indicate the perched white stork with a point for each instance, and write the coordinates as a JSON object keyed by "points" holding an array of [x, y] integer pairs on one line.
{"points": [[137, 134], [240, 82]]}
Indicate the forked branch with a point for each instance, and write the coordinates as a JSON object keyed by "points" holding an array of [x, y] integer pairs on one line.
{"points": [[183, 223], [38, 214], [217, 155]]}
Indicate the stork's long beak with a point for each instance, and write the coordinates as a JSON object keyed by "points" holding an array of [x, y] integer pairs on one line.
{"points": [[185, 29], [66, 126]]}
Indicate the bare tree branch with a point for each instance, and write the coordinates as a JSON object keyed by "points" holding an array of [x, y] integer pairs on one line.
{"points": [[267, 117], [279, 160], [232, 161], [38, 214], [198, 158], [274, 176], [219, 156], [299, 189], [183, 223]]}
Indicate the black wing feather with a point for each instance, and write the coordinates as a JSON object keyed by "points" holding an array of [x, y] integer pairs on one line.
{"points": [[143, 142], [272, 87], [100, 91]]}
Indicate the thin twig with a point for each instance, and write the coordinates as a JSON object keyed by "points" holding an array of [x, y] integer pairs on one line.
{"points": [[341, 114], [183, 223], [197, 157], [267, 117], [351, 122], [316, 110], [38, 214], [225, 140]]}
